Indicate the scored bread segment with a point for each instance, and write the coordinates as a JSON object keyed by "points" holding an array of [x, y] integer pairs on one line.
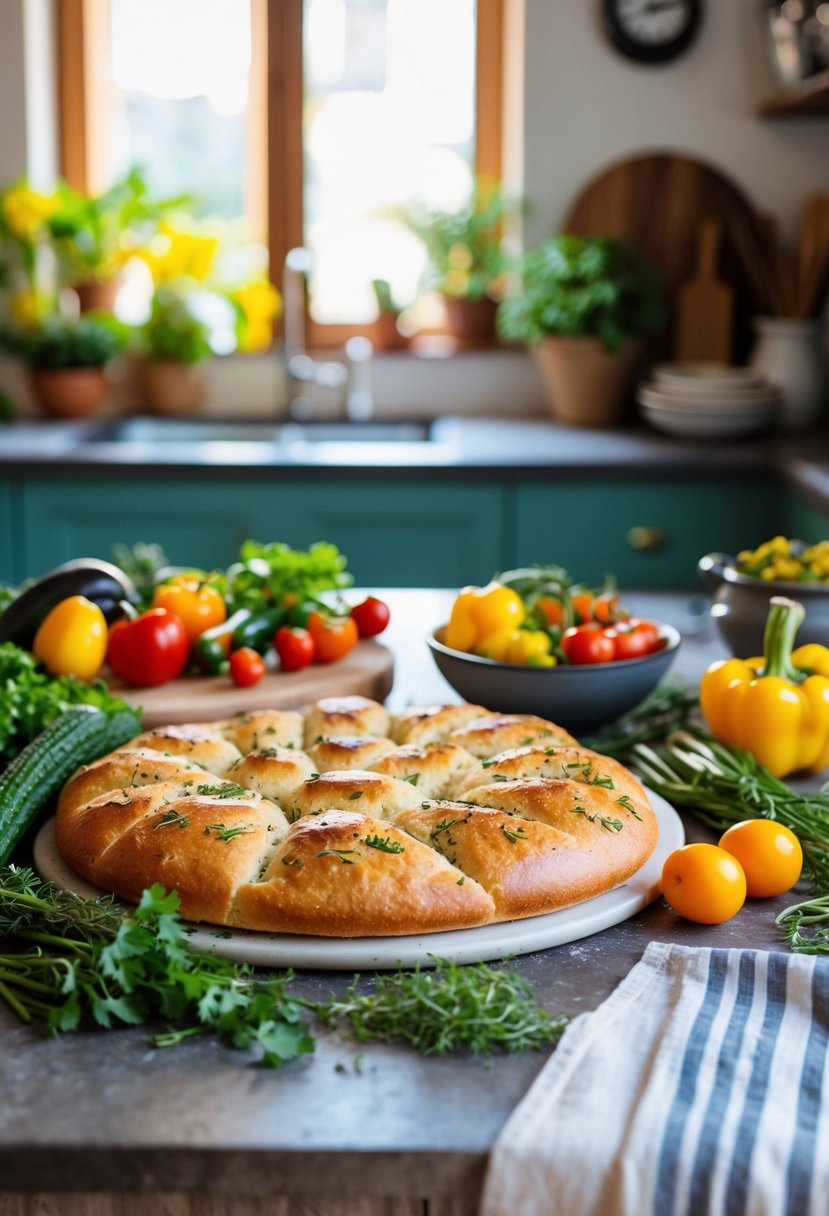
{"points": [[349, 875], [445, 817]]}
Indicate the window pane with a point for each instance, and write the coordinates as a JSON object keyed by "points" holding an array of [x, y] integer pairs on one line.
{"points": [[389, 119], [180, 88]]}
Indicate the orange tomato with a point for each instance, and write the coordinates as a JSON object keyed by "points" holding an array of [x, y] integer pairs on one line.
{"points": [[704, 883], [769, 853], [551, 609], [197, 603], [334, 636]]}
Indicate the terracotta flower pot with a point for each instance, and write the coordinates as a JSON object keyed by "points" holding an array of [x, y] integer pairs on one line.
{"points": [[586, 384], [72, 392], [169, 387], [97, 296], [470, 320]]}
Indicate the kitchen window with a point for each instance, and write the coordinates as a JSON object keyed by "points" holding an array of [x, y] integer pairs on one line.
{"points": [[303, 122]]}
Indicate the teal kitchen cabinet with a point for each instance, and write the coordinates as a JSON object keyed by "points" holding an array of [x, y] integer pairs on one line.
{"points": [[649, 534], [394, 534], [8, 556]]}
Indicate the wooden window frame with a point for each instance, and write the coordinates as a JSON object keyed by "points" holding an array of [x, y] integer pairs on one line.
{"points": [[275, 128]]}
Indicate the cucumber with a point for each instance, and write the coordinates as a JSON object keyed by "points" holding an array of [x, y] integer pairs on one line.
{"points": [[33, 779]]}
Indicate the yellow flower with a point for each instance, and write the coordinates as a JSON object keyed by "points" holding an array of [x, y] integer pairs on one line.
{"points": [[176, 253], [24, 307], [26, 211], [259, 302]]}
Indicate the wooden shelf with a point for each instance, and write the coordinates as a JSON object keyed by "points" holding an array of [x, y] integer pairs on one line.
{"points": [[811, 96]]}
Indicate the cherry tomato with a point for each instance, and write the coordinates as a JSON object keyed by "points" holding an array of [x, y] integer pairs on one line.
{"points": [[551, 609], [149, 650], [247, 667], [582, 603], [633, 639], [295, 648], [704, 883], [197, 603], [371, 617], [769, 853], [587, 644], [334, 636]]}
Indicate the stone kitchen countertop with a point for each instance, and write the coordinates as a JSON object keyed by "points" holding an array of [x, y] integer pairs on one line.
{"points": [[471, 448]]}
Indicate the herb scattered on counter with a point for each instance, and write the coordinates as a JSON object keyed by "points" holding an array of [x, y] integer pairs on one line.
{"points": [[31, 699], [673, 706], [474, 1008], [806, 925], [68, 961], [88, 960]]}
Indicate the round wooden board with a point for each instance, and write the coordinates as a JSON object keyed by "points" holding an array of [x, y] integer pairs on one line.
{"points": [[368, 671]]}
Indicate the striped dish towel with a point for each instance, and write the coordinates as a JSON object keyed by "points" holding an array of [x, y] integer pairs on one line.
{"points": [[698, 1088]]}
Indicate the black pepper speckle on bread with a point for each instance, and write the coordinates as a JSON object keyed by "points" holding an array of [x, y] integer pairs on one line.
{"points": [[346, 822]]}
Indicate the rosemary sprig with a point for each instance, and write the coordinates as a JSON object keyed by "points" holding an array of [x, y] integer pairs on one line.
{"points": [[806, 925], [672, 706], [474, 1007]]}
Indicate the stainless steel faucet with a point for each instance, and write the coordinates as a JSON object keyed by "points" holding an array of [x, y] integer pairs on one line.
{"points": [[349, 378]]}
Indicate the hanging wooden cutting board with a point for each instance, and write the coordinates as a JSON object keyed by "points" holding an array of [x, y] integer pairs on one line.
{"points": [[657, 202], [368, 671], [705, 305]]}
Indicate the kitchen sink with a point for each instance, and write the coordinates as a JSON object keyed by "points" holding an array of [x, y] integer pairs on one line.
{"points": [[163, 431]]}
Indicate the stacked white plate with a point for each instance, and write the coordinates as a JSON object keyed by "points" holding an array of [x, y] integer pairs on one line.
{"points": [[708, 400]]}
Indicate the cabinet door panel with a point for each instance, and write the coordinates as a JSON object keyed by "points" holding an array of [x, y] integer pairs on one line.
{"points": [[196, 523], [594, 529], [401, 535], [8, 559]]}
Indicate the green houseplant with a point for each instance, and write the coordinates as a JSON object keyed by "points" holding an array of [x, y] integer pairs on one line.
{"points": [[67, 362], [174, 340], [466, 259], [584, 306], [94, 235]]}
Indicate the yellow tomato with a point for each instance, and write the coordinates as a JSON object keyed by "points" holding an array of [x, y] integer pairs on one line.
{"points": [[72, 640], [197, 603], [769, 853], [704, 883]]}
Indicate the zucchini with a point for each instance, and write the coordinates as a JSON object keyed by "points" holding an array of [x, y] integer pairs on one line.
{"points": [[34, 778]]}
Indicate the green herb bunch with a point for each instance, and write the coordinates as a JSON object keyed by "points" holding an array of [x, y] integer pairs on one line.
{"points": [[270, 572], [30, 699], [58, 344], [583, 286]]}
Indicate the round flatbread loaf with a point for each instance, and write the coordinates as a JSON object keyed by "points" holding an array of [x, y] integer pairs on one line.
{"points": [[348, 822]]}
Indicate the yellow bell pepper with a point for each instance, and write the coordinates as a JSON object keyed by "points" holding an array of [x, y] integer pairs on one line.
{"points": [[483, 620], [775, 706], [72, 639], [530, 646]]}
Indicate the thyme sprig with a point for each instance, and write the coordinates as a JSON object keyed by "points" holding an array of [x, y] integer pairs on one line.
{"points": [[476, 1008]]}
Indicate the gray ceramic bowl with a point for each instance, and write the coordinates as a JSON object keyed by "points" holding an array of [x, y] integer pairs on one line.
{"points": [[579, 698], [741, 605]]}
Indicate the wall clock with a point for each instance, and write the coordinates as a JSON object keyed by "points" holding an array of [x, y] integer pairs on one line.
{"points": [[651, 31]]}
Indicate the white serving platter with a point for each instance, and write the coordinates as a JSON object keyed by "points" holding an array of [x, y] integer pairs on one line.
{"points": [[485, 944]]}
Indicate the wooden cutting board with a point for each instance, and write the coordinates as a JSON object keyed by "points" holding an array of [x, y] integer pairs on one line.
{"points": [[657, 203], [705, 306], [368, 671]]}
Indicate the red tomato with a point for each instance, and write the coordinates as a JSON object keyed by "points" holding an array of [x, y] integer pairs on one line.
{"points": [[633, 639], [588, 644], [295, 648], [149, 650], [371, 617], [247, 667], [334, 636]]}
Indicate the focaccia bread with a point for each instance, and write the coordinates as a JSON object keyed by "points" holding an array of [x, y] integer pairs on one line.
{"points": [[350, 822]]}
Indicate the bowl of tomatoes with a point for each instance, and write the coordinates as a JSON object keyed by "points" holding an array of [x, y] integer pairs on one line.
{"points": [[581, 665]]}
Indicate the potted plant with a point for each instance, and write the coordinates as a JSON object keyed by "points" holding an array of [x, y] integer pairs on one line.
{"points": [[466, 259], [385, 332], [584, 306], [174, 341], [67, 362], [94, 235]]}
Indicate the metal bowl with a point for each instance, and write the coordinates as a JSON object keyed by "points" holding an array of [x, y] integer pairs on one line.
{"points": [[579, 697]]}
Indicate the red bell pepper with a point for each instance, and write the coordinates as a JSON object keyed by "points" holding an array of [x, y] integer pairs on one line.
{"points": [[149, 650]]}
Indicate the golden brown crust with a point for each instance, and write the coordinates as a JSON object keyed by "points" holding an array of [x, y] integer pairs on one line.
{"points": [[274, 839], [326, 879]]}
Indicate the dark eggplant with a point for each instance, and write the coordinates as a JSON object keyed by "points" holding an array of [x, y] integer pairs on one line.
{"points": [[101, 582]]}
